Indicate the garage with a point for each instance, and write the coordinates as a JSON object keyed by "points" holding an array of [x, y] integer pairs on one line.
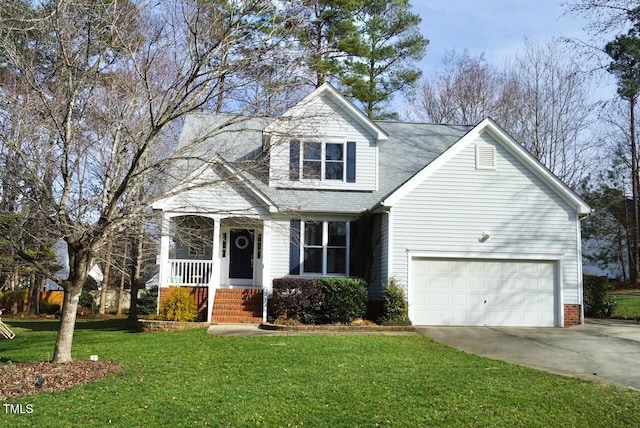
{"points": [[483, 292]]}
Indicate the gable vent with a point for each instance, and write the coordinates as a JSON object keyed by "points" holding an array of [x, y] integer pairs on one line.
{"points": [[485, 156]]}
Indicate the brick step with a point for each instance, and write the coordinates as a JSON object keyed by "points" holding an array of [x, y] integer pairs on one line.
{"points": [[237, 306], [236, 320], [236, 292], [237, 312], [238, 301]]}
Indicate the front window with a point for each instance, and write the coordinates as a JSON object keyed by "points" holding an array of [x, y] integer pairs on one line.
{"points": [[322, 161], [325, 248]]}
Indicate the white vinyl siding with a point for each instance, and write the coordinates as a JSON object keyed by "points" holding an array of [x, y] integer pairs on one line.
{"points": [[280, 245], [326, 122], [219, 197], [452, 210]]}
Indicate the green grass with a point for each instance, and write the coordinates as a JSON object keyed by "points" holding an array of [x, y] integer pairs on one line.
{"points": [[189, 378], [627, 306]]}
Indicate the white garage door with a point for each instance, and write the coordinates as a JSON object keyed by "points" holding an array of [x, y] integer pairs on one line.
{"points": [[482, 292]]}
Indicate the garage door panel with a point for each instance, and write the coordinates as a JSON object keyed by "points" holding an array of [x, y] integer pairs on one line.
{"points": [[482, 292]]}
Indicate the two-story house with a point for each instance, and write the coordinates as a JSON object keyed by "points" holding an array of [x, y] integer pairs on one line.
{"points": [[474, 228]]}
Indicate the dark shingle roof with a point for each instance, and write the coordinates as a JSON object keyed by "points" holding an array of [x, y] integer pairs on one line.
{"points": [[410, 147]]}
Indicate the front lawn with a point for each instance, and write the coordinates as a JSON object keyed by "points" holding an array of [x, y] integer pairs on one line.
{"points": [[627, 306], [189, 378]]}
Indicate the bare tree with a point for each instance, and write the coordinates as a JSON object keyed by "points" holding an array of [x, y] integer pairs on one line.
{"points": [[539, 97], [464, 90], [109, 81]]}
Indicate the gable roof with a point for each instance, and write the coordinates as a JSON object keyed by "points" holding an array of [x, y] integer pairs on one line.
{"points": [[326, 89], [488, 125], [410, 147], [410, 154]]}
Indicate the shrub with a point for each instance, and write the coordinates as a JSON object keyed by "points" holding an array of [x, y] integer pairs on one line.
{"points": [[319, 301], [86, 300], [13, 300], [396, 311], [179, 305], [49, 308], [297, 298], [345, 299], [597, 304], [148, 301]]}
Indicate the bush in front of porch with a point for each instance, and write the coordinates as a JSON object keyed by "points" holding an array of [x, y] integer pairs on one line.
{"points": [[178, 305], [319, 301]]}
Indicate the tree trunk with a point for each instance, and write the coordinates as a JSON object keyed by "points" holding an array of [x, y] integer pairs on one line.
{"points": [[122, 279], [136, 274], [64, 341], [80, 260], [636, 196], [34, 293], [105, 278]]}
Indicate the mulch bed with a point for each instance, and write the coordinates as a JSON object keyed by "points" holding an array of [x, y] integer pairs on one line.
{"points": [[22, 378]]}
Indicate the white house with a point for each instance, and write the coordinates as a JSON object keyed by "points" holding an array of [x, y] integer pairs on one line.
{"points": [[474, 228]]}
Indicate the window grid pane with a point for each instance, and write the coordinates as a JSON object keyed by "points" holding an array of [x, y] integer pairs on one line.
{"points": [[312, 151], [313, 260], [334, 171], [334, 151], [313, 234], [337, 234], [336, 260]]}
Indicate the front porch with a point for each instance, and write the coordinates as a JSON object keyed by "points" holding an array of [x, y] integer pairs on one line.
{"points": [[222, 261]]}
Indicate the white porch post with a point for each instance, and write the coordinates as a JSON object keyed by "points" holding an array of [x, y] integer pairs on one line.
{"points": [[266, 266], [165, 242], [214, 279]]}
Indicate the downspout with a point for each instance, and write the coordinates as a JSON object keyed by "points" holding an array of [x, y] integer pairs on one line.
{"points": [[580, 276]]}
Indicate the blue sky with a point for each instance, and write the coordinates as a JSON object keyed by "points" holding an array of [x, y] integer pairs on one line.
{"points": [[495, 27]]}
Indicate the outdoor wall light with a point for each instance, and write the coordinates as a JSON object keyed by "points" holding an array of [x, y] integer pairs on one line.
{"points": [[485, 237]]}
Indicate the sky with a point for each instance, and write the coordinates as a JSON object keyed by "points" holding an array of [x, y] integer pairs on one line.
{"points": [[496, 27]]}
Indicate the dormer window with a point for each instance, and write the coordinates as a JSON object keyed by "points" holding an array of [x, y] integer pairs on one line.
{"points": [[312, 160], [322, 161], [334, 161]]}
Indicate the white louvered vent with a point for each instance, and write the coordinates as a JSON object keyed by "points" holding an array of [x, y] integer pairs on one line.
{"points": [[485, 156]]}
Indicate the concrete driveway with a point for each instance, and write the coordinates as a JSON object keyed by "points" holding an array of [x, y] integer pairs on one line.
{"points": [[603, 350]]}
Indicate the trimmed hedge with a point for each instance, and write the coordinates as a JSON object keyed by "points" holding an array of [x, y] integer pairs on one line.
{"points": [[345, 300], [597, 304], [319, 301]]}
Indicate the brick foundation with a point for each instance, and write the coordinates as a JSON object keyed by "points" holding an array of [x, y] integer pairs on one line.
{"points": [[571, 315]]}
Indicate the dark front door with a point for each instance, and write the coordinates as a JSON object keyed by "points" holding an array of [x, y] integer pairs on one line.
{"points": [[241, 254]]}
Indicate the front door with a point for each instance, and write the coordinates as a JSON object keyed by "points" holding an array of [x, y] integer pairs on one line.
{"points": [[241, 257]]}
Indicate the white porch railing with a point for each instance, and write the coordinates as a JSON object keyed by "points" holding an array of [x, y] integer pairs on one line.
{"points": [[190, 272]]}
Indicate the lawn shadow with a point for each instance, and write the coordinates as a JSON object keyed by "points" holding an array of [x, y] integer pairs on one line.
{"points": [[124, 325], [35, 339]]}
